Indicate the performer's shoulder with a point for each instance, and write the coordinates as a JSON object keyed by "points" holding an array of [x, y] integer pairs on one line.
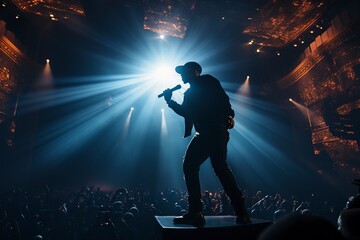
{"points": [[209, 78]]}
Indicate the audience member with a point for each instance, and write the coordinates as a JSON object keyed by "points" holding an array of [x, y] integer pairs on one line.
{"points": [[297, 226], [349, 218]]}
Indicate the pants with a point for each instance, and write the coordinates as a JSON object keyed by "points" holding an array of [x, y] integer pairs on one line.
{"points": [[211, 144]]}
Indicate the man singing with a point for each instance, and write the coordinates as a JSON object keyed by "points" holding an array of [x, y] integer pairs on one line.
{"points": [[206, 106]]}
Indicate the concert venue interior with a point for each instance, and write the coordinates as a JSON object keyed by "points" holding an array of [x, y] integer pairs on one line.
{"points": [[79, 82]]}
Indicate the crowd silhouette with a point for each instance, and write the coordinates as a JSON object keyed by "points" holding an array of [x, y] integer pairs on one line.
{"points": [[128, 214]]}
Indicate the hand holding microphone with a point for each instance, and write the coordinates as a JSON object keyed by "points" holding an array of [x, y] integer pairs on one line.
{"points": [[167, 93]]}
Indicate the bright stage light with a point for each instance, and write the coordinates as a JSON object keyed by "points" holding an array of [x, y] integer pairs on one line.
{"points": [[162, 36], [164, 73], [306, 112], [245, 88], [164, 130], [132, 109], [46, 79]]}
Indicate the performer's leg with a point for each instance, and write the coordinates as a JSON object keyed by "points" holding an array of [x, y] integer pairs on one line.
{"points": [[222, 169], [195, 155], [226, 177]]}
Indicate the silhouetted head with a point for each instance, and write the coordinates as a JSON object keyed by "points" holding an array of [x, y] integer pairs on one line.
{"points": [[129, 218], [348, 223], [299, 226], [189, 71]]}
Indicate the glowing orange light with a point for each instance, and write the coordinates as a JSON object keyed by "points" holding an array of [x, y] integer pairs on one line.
{"points": [[245, 87]]}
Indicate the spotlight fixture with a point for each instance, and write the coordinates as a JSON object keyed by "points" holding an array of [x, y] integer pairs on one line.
{"points": [[162, 36], [277, 53], [162, 110], [47, 60], [290, 100], [132, 109], [258, 50]]}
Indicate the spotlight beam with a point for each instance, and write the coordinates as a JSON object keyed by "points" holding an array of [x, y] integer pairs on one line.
{"points": [[304, 110]]}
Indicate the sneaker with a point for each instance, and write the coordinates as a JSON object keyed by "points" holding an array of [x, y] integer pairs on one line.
{"points": [[196, 219], [242, 215]]}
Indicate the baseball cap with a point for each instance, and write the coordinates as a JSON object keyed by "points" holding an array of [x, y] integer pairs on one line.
{"points": [[189, 66]]}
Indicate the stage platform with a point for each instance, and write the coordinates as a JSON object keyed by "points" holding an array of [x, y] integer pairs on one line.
{"points": [[216, 227]]}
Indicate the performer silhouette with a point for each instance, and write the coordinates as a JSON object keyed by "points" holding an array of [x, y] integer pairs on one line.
{"points": [[206, 106]]}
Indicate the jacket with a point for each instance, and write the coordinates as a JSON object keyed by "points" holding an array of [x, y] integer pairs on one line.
{"points": [[205, 106]]}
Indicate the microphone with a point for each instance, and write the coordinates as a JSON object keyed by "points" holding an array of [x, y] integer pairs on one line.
{"points": [[169, 90]]}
